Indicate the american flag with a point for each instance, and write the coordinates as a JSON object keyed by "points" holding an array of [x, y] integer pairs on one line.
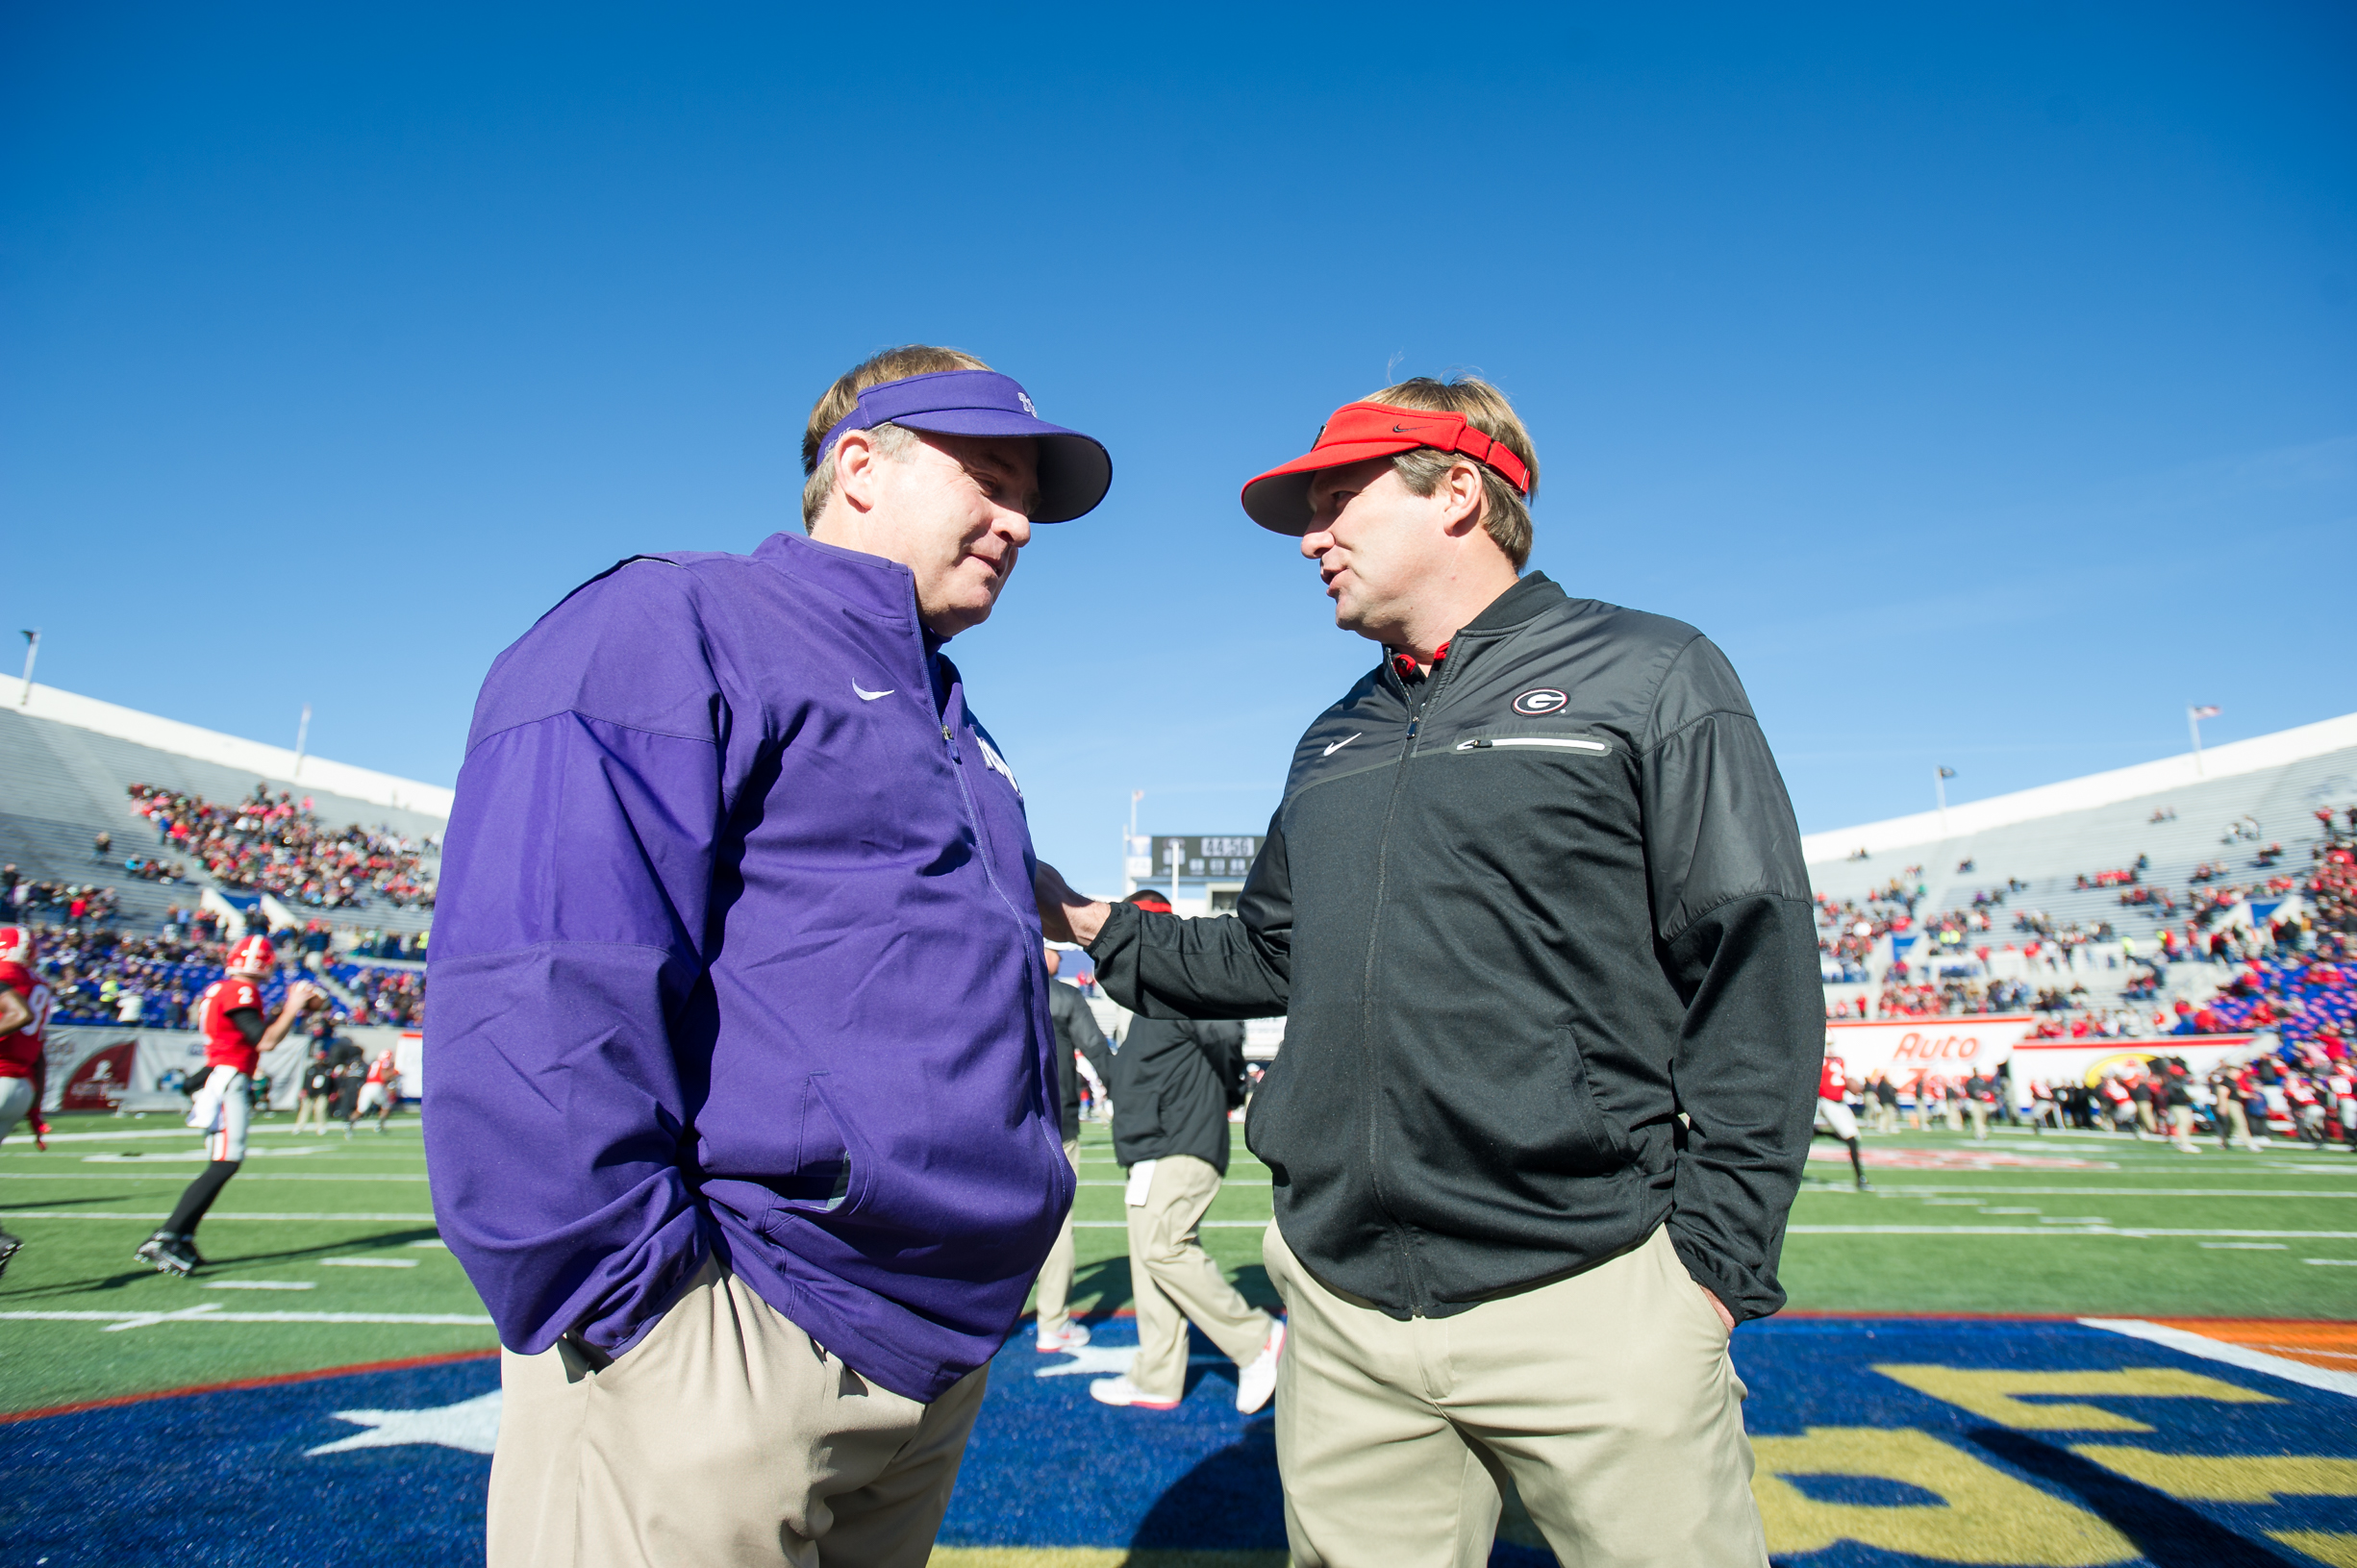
{"points": [[2204, 712]]}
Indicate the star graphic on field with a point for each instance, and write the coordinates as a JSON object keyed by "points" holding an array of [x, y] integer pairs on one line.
{"points": [[472, 1424], [1099, 1360], [1109, 1361]]}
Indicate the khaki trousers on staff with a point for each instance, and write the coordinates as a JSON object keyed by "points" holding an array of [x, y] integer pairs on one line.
{"points": [[1174, 1280], [1608, 1397], [1056, 1274], [724, 1437]]}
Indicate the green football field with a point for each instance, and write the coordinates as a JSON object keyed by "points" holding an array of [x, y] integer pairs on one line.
{"points": [[324, 1252]]}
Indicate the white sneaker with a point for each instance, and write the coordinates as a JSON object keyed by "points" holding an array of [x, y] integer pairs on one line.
{"points": [[1255, 1383], [1064, 1340], [1122, 1391]]}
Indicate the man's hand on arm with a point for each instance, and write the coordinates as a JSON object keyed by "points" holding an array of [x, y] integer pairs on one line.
{"points": [[1065, 916], [1726, 1319]]}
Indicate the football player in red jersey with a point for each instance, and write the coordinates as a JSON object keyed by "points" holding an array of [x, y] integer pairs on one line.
{"points": [[379, 1094], [236, 1036], [1833, 1113], [24, 1018]]}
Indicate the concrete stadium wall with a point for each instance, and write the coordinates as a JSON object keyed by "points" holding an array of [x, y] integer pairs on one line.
{"points": [[2169, 774], [250, 758]]}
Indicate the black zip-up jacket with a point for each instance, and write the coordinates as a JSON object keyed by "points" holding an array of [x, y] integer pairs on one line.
{"points": [[1173, 1080], [1076, 1031], [1541, 931]]}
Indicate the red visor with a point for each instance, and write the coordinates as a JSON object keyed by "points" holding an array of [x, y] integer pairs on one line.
{"points": [[1279, 500]]}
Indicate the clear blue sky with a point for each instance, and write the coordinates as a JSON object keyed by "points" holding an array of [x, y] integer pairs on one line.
{"points": [[1984, 379]]}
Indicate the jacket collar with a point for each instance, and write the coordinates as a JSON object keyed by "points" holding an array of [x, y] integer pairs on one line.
{"points": [[879, 587], [1527, 600]]}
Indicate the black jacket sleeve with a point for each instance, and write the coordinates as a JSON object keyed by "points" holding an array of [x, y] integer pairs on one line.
{"points": [[1737, 935], [1162, 967]]}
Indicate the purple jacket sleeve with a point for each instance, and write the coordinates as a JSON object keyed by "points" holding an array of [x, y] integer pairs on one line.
{"points": [[566, 956]]}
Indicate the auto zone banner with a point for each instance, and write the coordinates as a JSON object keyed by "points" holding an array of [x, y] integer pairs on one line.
{"points": [[2091, 1062], [1905, 1049]]}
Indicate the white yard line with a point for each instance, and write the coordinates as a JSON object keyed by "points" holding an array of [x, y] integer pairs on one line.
{"points": [[170, 1132], [2212, 1350], [367, 1262], [182, 1176], [1884, 1190], [210, 1313], [2135, 1231], [262, 1285], [216, 1214]]}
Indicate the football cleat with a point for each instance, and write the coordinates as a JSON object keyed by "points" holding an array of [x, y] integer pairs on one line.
{"points": [[8, 1249], [168, 1254]]}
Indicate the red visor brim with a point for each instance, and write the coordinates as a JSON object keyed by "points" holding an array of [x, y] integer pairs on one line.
{"points": [[1279, 500]]}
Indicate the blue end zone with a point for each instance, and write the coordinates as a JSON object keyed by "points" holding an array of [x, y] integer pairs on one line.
{"points": [[230, 1478]]}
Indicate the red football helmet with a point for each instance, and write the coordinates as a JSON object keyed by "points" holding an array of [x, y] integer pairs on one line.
{"points": [[253, 956], [16, 944]]}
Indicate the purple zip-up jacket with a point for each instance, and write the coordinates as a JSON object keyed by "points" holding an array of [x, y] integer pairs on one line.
{"points": [[734, 952]]}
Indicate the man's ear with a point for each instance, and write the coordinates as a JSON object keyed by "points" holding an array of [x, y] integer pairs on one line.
{"points": [[1463, 493], [855, 460]]}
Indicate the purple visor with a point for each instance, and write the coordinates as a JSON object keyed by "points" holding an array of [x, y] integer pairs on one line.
{"points": [[1075, 470]]}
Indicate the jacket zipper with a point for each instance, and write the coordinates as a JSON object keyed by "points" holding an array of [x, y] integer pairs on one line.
{"points": [[1558, 742], [1416, 710]]}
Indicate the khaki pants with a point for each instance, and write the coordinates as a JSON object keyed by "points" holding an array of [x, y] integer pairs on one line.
{"points": [[1608, 1397], [1978, 1110], [724, 1437], [1056, 1274], [1886, 1116], [1174, 1280]]}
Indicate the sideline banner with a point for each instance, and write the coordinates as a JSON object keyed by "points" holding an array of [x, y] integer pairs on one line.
{"points": [[1907, 1048], [2089, 1061], [107, 1067]]}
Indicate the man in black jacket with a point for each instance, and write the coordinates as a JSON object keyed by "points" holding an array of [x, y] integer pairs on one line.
{"points": [[1535, 909], [1076, 1035], [1173, 1083]]}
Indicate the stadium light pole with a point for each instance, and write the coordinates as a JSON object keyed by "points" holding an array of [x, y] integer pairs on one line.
{"points": [[2195, 714], [1940, 776], [33, 651], [302, 734]]}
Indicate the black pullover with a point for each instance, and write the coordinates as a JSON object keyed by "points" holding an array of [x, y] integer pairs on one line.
{"points": [[1541, 931]]}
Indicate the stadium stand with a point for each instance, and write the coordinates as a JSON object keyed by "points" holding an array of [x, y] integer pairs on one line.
{"points": [[191, 855], [2065, 895], [62, 783]]}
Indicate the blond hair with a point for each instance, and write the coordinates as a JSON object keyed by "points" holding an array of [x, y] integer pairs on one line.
{"points": [[1505, 511], [840, 399]]}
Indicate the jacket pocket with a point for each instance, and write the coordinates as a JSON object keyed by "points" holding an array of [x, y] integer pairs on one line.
{"points": [[827, 1179], [1593, 1138]]}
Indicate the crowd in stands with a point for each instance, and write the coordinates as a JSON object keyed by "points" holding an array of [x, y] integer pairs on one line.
{"points": [[27, 899], [270, 843], [387, 996], [101, 976]]}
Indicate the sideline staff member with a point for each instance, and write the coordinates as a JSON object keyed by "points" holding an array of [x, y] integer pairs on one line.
{"points": [[742, 1116], [1535, 910]]}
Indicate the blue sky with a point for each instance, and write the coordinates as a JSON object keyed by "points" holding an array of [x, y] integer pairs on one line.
{"points": [[1983, 378]]}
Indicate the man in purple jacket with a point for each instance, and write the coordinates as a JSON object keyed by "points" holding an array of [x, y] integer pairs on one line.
{"points": [[742, 1116]]}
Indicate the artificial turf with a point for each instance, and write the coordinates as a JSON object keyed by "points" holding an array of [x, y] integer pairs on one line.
{"points": [[2278, 1228]]}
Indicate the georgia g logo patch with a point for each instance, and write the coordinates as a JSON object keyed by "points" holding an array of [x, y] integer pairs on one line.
{"points": [[1540, 700]]}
